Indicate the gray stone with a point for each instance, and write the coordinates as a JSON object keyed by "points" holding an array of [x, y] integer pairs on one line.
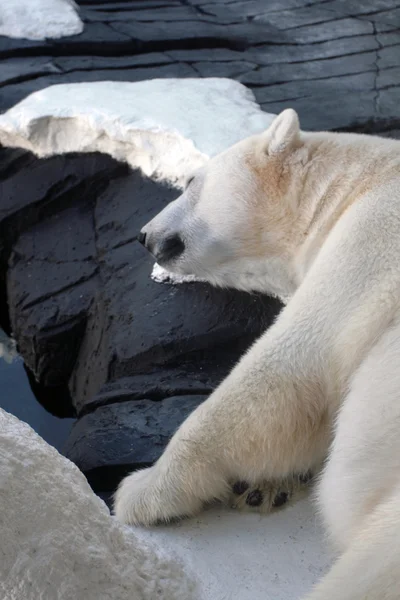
{"points": [[47, 268], [313, 70], [78, 283], [291, 52], [119, 438], [67, 64], [15, 70]]}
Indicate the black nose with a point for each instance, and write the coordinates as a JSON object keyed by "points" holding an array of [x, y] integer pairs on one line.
{"points": [[141, 238], [170, 248]]}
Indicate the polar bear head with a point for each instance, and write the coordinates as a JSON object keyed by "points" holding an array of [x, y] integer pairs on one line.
{"points": [[234, 223]]}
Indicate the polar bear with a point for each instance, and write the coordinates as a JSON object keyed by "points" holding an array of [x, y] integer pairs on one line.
{"points": [[313, 218]]}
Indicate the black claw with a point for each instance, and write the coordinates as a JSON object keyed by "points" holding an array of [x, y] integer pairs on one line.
{"points": [[255, 498], [305, 477], [170, 520], [280, 499], [240, 487]]}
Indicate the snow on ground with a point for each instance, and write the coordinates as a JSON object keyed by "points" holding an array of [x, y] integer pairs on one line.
{"points": [[248, 557], [160, 275], [39, 19]]}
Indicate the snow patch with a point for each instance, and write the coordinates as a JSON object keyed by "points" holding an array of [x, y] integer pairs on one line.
{"points": [[160, 275], [39, 19], [58, 539], [165, 127], [8, 348]]}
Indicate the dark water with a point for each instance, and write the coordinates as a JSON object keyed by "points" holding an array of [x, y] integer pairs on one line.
{"points": [[17, 398]]}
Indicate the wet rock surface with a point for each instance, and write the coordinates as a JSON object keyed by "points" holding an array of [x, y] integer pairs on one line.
{"points": [[142, 428], [338, 56], [129, 356]]}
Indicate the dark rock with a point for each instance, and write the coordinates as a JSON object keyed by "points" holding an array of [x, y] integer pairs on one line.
{"points": [[47, 267], [313, 70], [335, 29], [235, 35], [67, 64], [50, 288], [153, 335], [15, 70], [167, 13], [361, 8], [78, 284], [230, 69], [360, 107], [334, 62], [113, 5], [119, 438], [309, 52]]}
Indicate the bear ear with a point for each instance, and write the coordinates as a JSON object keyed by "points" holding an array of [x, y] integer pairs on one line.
{"points": [[283, 133]]}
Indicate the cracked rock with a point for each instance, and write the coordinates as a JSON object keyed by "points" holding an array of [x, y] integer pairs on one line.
{"points": [[207, 38], [114, 439]]}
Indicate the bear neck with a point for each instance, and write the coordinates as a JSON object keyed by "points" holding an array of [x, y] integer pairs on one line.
{"points": [[341, 169]]}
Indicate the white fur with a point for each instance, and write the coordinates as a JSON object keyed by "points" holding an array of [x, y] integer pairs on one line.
{"points": [[324, 211]]}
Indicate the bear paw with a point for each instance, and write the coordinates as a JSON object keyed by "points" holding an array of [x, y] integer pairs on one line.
{"points": [[147, 498], [267, 495]]}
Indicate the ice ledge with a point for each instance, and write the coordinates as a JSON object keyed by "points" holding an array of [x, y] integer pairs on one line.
{"points": [[165, 127]]}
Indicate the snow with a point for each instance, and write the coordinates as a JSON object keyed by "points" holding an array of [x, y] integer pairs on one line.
{"points": [[161, 275], [8, 348], [165, 127], [39, 19], [58, 540], [248, 557]]}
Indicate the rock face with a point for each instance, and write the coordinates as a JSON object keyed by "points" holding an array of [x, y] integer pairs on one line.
{"points": [[116, 438], [69, 546], [136, 356], [335, 62]]}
